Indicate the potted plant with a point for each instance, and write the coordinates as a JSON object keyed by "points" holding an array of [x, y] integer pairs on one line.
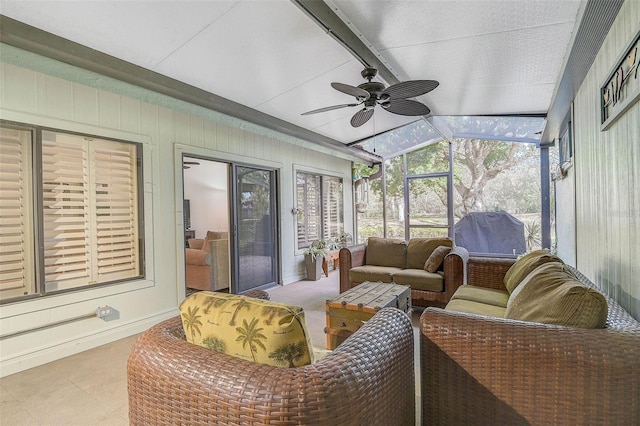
{"points": [[313, 256], [343, 239]]}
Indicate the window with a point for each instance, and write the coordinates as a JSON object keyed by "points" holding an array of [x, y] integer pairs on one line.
{"points": [[87, 226], [320, 207]]}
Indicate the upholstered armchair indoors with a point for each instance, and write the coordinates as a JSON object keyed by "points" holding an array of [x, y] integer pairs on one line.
{"points": [[207, 262]]}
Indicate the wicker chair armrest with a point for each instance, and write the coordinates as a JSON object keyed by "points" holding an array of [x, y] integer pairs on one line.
{"points": [[455, 266], [369, 379], [488, 271], [350, 257], [515, 372]]}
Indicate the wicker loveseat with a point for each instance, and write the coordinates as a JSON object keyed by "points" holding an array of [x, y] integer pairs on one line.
{"points": [[368, 380], [481, 369], [396, 261]]}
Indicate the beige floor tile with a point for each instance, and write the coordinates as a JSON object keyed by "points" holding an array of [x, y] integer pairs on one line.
{"points": [[90, 388]]}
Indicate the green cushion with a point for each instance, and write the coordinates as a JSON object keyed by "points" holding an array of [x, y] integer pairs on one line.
{"points": [[470, 307], [386, 252], [551, 294], [489, 296], [436, 258], [524, 265], [360, 274], [419, 250], [419, 279], [253, 329]]}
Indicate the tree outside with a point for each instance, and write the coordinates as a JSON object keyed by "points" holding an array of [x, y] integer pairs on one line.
{"points": [[487, 176]]}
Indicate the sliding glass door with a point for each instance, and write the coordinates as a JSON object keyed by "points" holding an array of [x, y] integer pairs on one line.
{"points": [[255, 227]]}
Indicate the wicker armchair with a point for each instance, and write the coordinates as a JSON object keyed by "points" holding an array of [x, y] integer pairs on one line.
{"points": [[484, 370], [368, 380]]}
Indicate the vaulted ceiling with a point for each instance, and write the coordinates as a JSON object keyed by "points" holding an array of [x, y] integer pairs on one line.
{"points": [[269, 61]]}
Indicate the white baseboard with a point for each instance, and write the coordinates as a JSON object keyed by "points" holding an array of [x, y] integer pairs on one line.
{"points": [[57, 351]]}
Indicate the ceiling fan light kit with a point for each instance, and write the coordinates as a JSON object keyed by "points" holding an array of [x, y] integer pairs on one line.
{"points": [[393, 99]]}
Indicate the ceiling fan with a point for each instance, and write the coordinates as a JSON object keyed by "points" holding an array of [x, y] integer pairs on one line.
{"points": [[392, 98]]}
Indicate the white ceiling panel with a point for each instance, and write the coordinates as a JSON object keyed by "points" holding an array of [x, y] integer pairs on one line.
{"points": [[380, 122], [140, 32], [490, 56], [256, 52], [391, 24]]}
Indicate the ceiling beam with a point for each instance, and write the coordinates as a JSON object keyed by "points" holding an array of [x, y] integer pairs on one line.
{"points": [[325, 16], [32, 39]]}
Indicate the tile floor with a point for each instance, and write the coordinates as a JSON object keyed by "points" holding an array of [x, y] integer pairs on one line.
{"points": [[90, 388]]}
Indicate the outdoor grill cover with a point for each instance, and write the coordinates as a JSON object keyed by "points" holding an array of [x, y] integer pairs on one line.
{"points": [[490, 232]]}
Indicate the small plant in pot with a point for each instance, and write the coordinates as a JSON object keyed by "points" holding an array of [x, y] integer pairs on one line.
{"points": [[313, 256], [343, 239]]}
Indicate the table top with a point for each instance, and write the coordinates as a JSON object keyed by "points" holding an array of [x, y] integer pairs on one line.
{"points": [[369, 296]]}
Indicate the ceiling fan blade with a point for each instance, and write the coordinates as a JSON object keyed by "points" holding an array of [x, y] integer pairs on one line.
{"points": [[351, 90], [330, 108], [409, 89], [361, 117], [406, 107]]}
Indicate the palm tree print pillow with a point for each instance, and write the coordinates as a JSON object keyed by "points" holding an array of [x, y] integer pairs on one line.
{"points": [[253, 329]]}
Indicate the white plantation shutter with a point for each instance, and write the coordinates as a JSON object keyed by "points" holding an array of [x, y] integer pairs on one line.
{"points": [[320, 204], [116, 210], [90, 213], [308, 200], [66, 214], [17, 276], [332, 207]]}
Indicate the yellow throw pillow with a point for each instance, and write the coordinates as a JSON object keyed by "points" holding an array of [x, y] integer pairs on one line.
{"points": [[524, 265], [253, 329], [437, 257], [551, 294]]}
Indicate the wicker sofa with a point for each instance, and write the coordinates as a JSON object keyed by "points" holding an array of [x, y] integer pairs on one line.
{"points": [[396, 261], [368, 380], [482, 369]]}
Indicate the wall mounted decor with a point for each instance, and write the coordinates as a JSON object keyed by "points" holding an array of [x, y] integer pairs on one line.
{"points": [[621, 88], [566, 148]]}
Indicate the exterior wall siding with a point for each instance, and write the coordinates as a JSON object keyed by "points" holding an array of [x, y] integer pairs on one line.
{"points": [[43, 92], [607, 177]]}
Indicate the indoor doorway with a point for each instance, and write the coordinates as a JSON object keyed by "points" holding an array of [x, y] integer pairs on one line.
{"points": [[230, 229]]}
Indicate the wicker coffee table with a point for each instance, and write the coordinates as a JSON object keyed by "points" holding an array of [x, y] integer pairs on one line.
{"points": [[347, 312]]}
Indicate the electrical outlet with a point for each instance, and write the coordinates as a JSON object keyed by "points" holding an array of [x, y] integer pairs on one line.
{"points": [[104, 312]]}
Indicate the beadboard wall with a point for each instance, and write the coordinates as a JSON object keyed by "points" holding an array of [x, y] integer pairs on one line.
{"points": [[607, 177], [43, 92]]}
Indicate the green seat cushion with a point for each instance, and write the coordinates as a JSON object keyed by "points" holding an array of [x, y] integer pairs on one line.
{"points": [[524, 265], [471, 307], [419, 250], [386, 252], [375, 273], [489, 296], [551, 294], [419, 279], [253, 329]]}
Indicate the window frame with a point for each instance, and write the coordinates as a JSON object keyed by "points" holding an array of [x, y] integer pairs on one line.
{"points": [[324, 227], [37, 206]]}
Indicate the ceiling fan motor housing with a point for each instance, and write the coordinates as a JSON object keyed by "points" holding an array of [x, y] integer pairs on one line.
{"points": [[373, 87]]}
